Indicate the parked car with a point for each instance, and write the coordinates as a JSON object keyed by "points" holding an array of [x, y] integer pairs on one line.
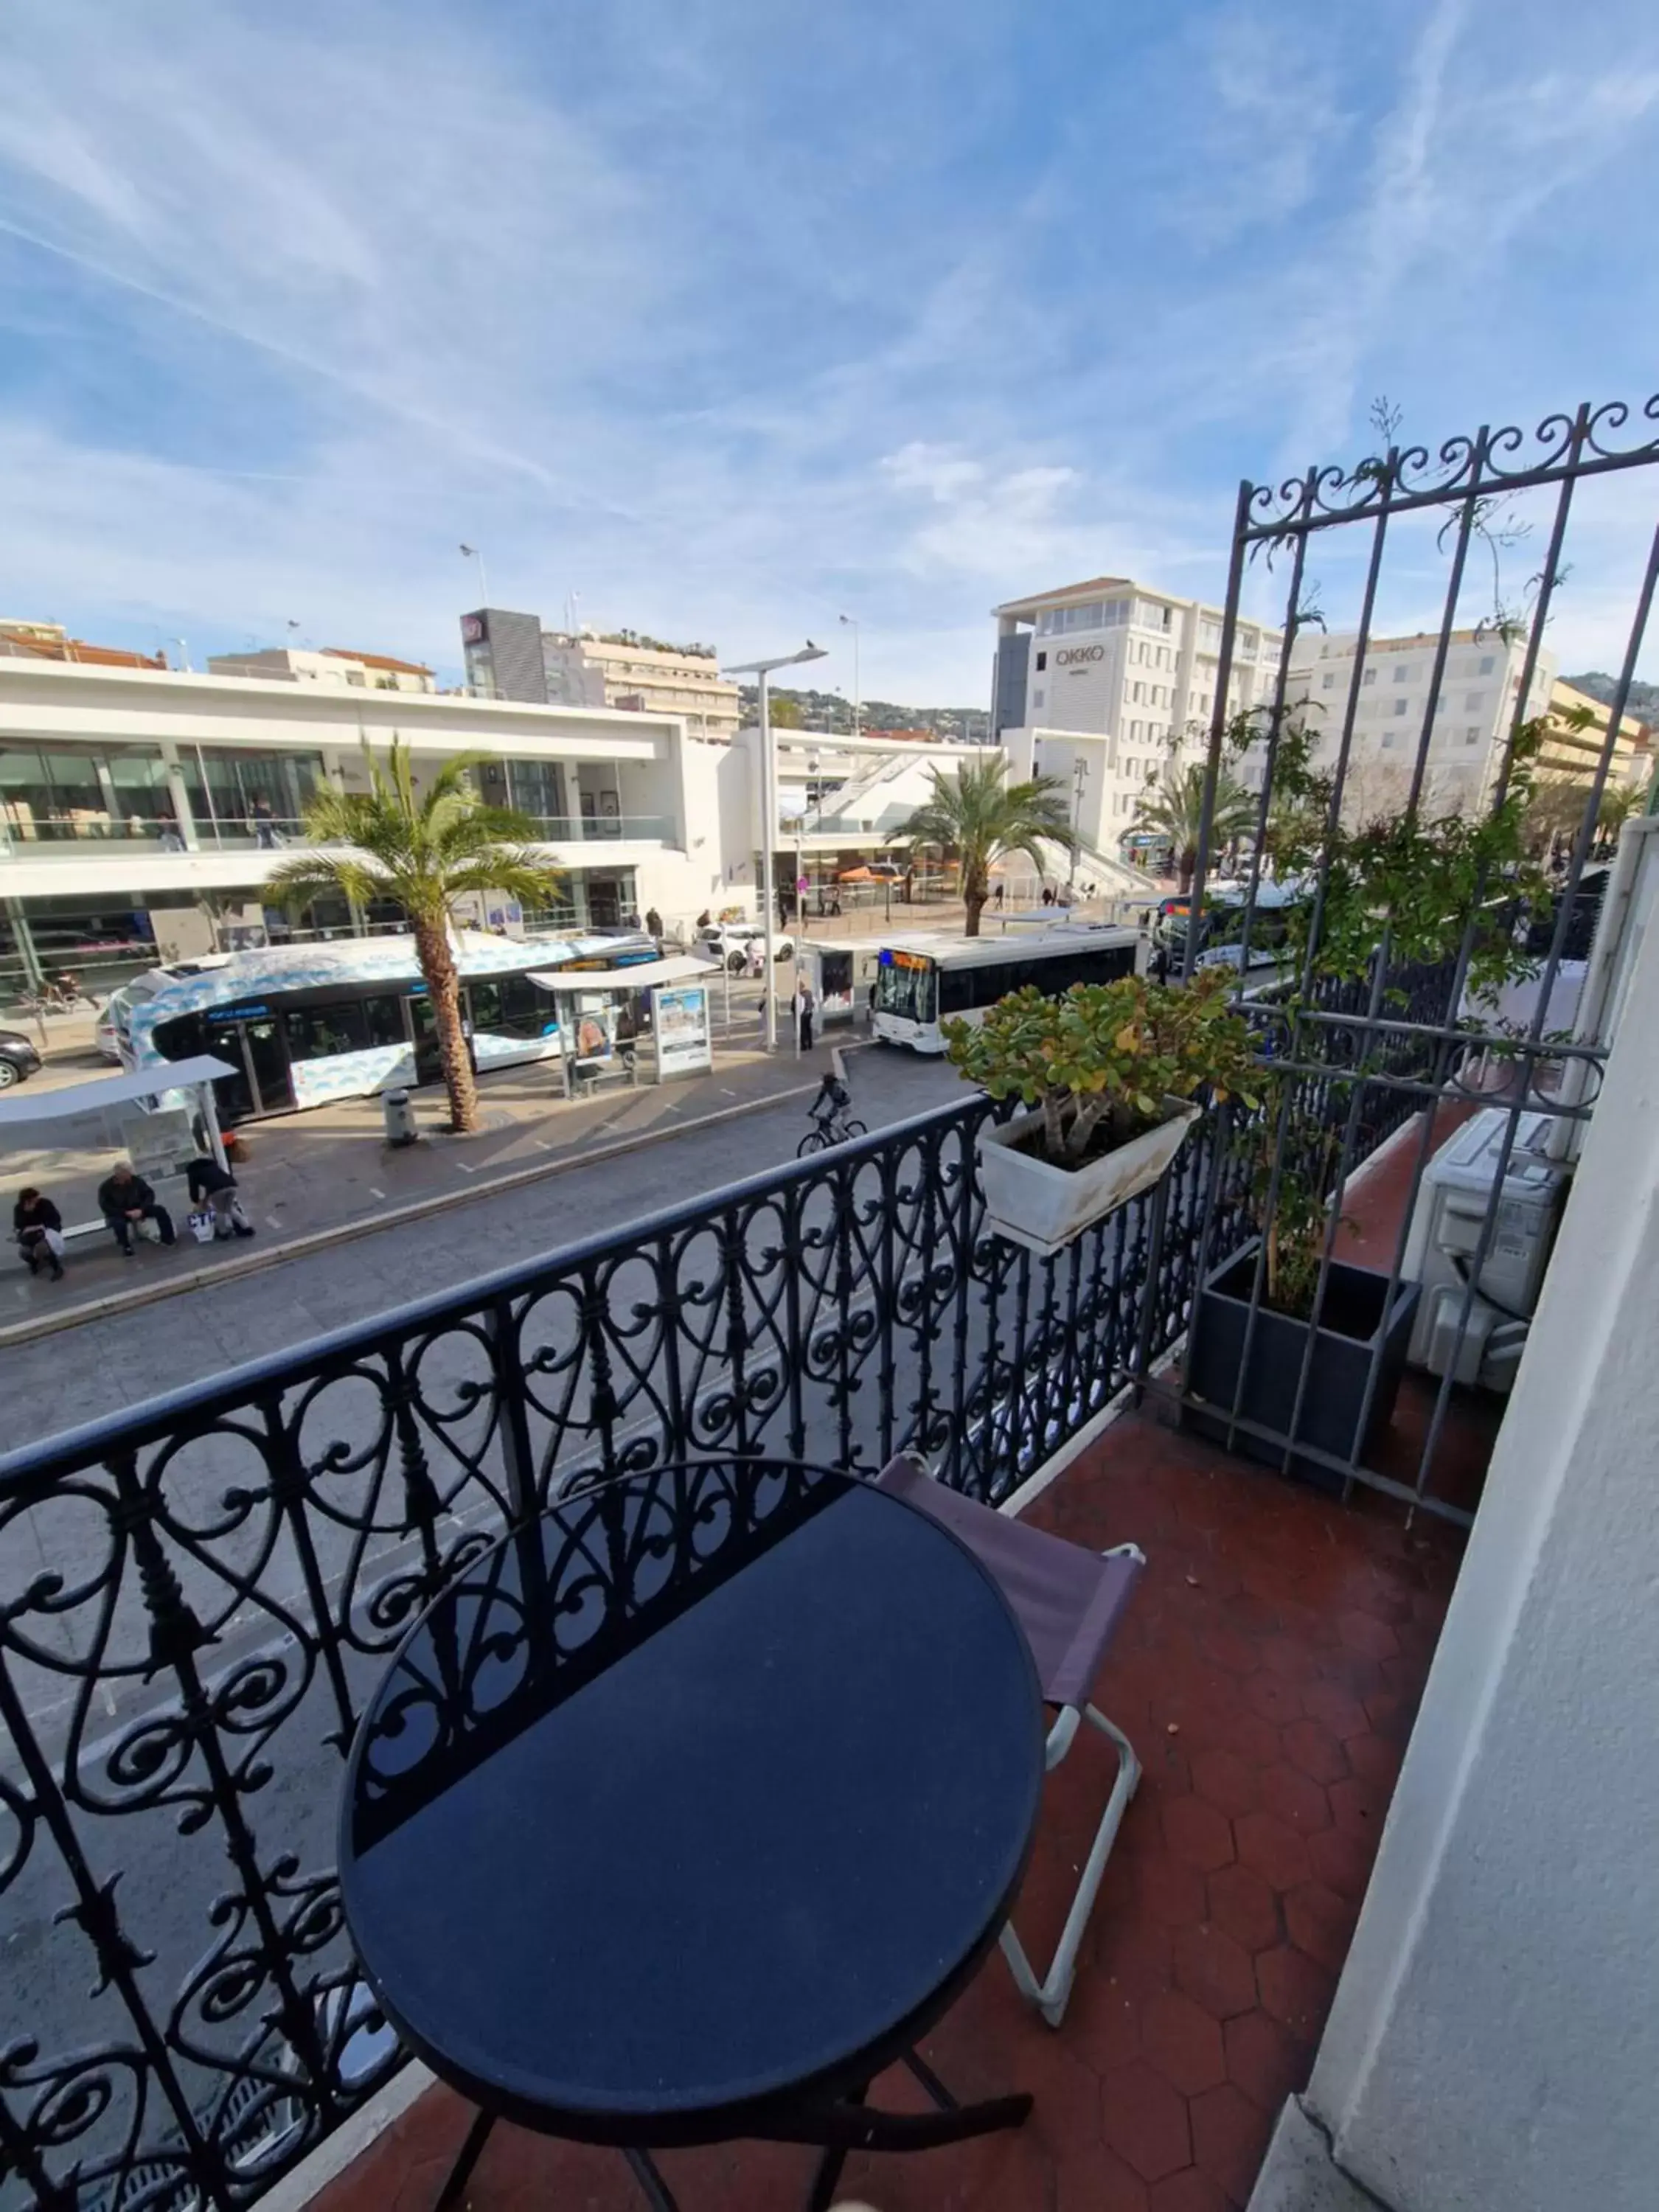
{"points": [[18, 1059], [731, 940], [105, 1038]]}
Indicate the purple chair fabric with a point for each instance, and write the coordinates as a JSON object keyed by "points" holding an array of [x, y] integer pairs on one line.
{"points": [[1069, 1601]]}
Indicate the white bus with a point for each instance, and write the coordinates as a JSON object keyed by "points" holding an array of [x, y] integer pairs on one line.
{"points": [[303, 1024], [922, 982]]}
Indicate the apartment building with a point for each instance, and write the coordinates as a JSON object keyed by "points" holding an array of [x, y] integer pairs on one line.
{"points": [[511, 656], [1106, 683], [1573, 748], [1473, 712], [142, 810], [334, 665]]}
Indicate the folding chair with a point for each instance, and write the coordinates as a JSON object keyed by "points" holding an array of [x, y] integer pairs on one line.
{"points": [[1069, 1602]]}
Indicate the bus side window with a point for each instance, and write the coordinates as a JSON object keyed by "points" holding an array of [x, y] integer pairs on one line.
{"points": [[383, 1016], [956, 990], [319, 1032]]}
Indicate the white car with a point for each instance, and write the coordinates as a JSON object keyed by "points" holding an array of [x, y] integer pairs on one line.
{"points": [[732, 940]]}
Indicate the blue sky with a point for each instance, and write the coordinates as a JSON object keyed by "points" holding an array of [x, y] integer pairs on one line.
{"points": [[731, 316]]}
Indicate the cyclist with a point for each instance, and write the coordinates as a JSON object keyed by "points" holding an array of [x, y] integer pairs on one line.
{"points": [[833, 1100]]}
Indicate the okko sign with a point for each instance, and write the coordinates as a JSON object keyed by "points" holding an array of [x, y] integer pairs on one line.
{"points": [[1071, 656]]}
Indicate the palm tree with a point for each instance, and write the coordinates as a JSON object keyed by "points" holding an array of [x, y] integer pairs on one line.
{"points": [[981, 819], [424, 851], [1173, 808]]}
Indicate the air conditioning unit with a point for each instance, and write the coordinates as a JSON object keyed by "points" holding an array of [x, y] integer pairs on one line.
{"points": [[1447, 1224]]}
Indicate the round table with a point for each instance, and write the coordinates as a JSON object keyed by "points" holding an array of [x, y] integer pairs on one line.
{"points": [[687, 1809]]}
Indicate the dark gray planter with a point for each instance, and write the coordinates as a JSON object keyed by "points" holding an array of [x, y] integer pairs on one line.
{"points": [[1352, 1325]]}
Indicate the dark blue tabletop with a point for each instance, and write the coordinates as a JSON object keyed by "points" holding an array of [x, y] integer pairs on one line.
{"points": [[706, 1790]]}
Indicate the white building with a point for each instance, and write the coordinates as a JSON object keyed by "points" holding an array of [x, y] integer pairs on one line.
{"points": [[839, 798], [142, 809], [1107, 684], [334, 665], [1474, 711], [643, 676], [511, 656]]}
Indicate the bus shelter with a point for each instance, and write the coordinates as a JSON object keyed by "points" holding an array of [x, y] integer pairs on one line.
{"points": [[160, 1126], [606, 1017]]}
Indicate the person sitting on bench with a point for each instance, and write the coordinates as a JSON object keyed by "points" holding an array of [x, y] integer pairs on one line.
{"points": [[40, 1230], [124, 1199]]}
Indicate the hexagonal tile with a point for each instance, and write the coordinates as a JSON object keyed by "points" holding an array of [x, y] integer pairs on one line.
{"points": [[1375, 1759], [1292, 1798], [1190, 2191], [1230, 1648], [1314, 1751], [1320, 1923], [1098, 2182], [1277, 1853], [1358, 1806], [1214, 1970], [1230, 2136], [1183, 2042], [1144, 2121], [1296, 1990], [1242, 1906], [1228, 1781], [1197, 1834], [1342, 1860], [1335, 1709], [1169, 1891], [1273, 1699], [1267, 2064], [1134, 1956], [1371, 1638]]}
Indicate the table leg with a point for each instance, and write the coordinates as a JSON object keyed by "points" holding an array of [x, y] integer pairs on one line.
{"points": [[652, 2182], [830, 2165], [461, 2171]]}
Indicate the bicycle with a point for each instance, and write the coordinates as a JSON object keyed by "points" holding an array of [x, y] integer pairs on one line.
{"points": [[825, 1135]]}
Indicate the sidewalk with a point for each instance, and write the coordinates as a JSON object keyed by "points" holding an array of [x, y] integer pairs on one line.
{"points": [[327, 1173]]}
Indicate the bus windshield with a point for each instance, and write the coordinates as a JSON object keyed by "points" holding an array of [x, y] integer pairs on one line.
{"points": [[907, 984]]}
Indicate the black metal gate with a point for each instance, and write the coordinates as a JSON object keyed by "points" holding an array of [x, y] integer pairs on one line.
{"points": [[1374, 1028]]}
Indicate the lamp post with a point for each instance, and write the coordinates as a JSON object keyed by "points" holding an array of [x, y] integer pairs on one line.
{"points": [[761, 670], [858, 695], [1079, 777], [472, 553]]}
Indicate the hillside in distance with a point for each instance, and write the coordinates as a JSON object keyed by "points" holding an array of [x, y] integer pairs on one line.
{"points": [[1598, 684]]}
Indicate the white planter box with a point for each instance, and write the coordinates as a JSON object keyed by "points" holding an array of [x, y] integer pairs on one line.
{"points": [[1045, 1208]]}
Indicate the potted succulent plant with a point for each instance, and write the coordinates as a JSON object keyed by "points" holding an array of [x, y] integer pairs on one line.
{"points": [[1110, 1074]]}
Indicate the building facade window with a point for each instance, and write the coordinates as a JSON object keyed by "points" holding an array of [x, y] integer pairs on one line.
{"points": [[1041, 661], [1488, 664], [1328, 683], [1369, 676], [1475, 701], [1400, 705], [1402, 674]]}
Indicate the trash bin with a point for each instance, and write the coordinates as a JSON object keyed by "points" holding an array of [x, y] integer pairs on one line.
{"points": [[399, 1117]]}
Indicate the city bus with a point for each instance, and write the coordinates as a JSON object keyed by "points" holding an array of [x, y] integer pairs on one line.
{"points": [[303, 1024], [924, 982]]}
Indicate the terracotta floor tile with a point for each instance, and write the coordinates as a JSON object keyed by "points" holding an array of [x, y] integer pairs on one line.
{"points": [[1243, 1905], [1230, 2134], [1295, 1990], [1320, 1923], [1267, 2064], [1273, 1848], [1144, 2120], [1214, 1970], [1278, 1632], [1183, 2042]]}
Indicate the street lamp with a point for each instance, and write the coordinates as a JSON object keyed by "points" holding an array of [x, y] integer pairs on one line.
{"points": [[472, 553], [761, 670], [858, 695]]}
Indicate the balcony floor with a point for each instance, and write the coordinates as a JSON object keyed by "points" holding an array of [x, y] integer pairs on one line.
{"points": [[1268, 1674]]}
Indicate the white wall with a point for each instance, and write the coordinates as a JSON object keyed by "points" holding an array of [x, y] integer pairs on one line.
{"points": [[1495, 2037]]}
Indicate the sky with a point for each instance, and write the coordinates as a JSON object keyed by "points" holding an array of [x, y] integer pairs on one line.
{"points": [[723, 319]]}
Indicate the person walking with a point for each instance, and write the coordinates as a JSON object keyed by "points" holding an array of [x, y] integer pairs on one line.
{"points": [[265, 824], [38, 1228], [125, 1199], [653, 924], [996, 900], [806, 1006], [215, 1188]]}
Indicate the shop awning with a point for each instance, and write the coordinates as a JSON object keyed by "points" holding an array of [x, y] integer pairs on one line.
{"points": [[682, 968], [19, 1107]]}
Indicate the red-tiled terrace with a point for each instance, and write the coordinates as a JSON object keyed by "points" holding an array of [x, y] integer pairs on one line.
{"points": [[1267, 1673]]}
